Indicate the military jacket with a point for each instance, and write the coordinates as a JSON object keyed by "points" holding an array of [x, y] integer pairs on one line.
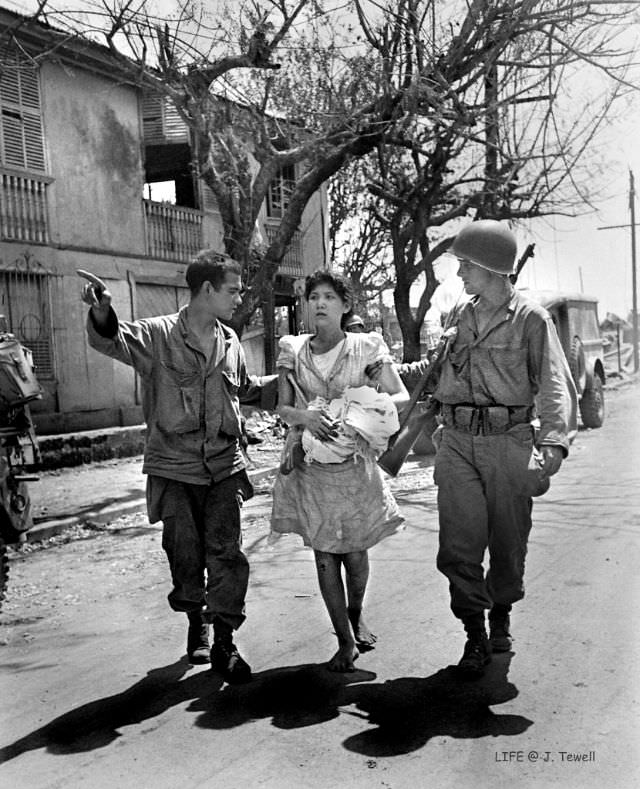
{"points": [[191, 405], [516, 360]]}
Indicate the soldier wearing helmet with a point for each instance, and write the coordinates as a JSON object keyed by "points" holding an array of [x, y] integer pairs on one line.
{"points": [[504, 369]]}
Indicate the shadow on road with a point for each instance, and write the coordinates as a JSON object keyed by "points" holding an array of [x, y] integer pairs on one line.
{"points": [[292, 696], [95, 724], [405, 713], [69, 507], [409, 711]]}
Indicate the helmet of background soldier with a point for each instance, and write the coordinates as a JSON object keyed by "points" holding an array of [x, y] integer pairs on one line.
{"points": [[487, 243], [355, 324]]}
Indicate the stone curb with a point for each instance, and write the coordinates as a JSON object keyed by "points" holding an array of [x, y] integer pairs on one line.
{"points": [[51, 528], [67, 450]]}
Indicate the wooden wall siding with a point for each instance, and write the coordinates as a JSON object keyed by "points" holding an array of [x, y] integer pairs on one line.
{"points": [[291, 264], [209, 200], [152, 300], [23, 208], [173, 232]]}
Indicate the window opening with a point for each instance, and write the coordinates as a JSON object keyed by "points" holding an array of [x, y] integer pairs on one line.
{"points": [[280, 191]]}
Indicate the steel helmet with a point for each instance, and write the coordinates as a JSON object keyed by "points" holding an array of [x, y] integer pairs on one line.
{"points": [[488, 244]]}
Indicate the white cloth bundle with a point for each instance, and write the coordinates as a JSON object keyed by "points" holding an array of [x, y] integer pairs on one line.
{"points": [[363, 415]]}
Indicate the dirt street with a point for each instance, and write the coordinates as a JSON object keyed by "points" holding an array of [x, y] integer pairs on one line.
{"points": [[96, 690]]}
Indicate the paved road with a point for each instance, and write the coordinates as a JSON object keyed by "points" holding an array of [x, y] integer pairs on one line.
{"points": [[96, 692]]}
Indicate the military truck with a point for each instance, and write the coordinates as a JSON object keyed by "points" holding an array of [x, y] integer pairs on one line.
{"points": [[576, 320]]}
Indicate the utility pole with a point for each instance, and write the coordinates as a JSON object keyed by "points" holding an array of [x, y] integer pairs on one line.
{"points": [[634, 275]]}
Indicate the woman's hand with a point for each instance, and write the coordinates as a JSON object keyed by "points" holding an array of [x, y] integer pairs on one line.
{"points": [[321, 424]]}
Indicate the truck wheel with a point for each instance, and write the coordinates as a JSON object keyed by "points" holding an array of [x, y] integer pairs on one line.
{"points": [[4, 570], [577, 364], [592, 404]]}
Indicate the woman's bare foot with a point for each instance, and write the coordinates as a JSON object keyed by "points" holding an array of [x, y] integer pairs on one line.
{"points": [[344, 658], [364, 637]]}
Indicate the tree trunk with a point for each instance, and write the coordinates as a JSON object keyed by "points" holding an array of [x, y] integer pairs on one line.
{"points": [[269, 328]]}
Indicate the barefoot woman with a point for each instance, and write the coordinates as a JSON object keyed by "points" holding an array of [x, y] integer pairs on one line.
{"points": [[343, 508]]}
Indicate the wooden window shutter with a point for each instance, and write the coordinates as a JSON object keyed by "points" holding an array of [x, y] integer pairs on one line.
{"points": [[161, 121], [22, 138]]}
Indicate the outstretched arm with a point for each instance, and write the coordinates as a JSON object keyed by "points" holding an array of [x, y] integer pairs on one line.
{"points": [[130, 342]]}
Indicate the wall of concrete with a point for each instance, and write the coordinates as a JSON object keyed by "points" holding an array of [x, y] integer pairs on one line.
{"points": [[94, 148], [92, 133]]}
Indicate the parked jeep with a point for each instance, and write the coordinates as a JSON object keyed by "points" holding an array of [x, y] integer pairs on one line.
{"points": [[576, 319]]}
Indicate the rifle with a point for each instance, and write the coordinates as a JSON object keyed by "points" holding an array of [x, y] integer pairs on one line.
{"points": [[528, 253], [412, 424]]}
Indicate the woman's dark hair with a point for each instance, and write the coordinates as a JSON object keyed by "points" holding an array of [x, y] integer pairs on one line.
{"points": [[338, 282], [210, 266]]}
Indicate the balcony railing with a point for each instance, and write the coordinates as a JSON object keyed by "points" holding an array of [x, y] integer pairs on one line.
{"points": [[173, 232], [291, 263], [23, 208]]}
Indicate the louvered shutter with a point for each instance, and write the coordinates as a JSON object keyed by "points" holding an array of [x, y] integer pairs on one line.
{"points": [[22, 138], [161, 121]]}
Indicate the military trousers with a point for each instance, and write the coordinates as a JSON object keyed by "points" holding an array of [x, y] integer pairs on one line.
{"points": [[485, 484], [202, 538]]}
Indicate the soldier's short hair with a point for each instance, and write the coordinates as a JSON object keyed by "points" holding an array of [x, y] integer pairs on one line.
{"points": [[212, 266]]}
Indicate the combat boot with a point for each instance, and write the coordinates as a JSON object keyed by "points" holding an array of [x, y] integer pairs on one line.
{"points": [[225, 658], [197, 638], [477, 650], [499, 628]]}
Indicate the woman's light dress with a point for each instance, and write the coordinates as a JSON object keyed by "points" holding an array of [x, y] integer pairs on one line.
{"points": [[334, 507]]}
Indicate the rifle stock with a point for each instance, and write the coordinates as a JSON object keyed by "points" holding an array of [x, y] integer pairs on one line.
{"points": [[413, 422], [393, 458]]}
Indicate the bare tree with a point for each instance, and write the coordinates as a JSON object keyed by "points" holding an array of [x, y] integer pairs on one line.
{"points": [[473, 91], [495, 129], [358, 240], [302, 106]]}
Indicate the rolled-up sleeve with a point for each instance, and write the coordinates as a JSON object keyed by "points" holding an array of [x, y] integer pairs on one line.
{"points": [[556, 398]]}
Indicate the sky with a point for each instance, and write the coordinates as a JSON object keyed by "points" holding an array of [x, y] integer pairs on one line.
{"points": [[574, 254]]}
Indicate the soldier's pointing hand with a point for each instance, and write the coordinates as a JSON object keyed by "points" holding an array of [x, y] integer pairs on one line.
{"points": [[95, 294]]}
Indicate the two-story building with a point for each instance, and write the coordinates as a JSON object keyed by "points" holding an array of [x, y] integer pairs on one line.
{"points": [[96, 175]]}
